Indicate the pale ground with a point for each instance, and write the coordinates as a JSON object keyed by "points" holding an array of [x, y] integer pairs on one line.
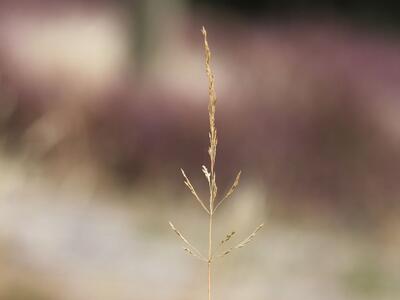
{"points": [[71, 243]]}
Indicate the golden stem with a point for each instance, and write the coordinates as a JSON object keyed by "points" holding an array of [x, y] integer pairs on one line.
{"points": [[209, 254]]}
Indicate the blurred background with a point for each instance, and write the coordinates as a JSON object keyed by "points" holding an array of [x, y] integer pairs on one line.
{"points": [[101, 103]]}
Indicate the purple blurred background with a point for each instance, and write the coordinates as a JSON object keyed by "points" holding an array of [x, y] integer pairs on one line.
{"points": [[103, 101]]}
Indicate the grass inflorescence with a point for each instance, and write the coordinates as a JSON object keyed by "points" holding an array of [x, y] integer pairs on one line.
{"points": [[212, 205]]}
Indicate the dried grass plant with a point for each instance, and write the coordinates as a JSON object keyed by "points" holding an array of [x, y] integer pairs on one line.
{"points": [[210, 175]]}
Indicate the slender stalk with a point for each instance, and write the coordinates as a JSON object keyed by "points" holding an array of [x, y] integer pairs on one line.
{"points": [[209, 255]]}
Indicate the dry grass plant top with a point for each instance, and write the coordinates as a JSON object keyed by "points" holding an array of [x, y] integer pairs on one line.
{"points": [[211, 206]]}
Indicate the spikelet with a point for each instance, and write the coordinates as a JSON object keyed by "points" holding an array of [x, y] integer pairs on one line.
{"points": [[242, 243], [206, 173], [227, 238], [190, 252]]}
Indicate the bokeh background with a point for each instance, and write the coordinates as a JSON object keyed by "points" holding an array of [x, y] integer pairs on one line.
{"points": [[101, 103]]}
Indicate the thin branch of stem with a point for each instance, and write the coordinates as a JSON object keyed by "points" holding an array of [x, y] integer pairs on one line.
{"points": [[193, 191], [190, 252], [242, 243], [230, 192], [186, 241]]}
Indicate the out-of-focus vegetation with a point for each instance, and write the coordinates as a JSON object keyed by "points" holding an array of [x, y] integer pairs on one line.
{"points": [[102, 101]]}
